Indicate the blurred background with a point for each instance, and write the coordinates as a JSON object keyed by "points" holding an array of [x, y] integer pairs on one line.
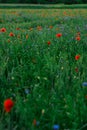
{"points": [[45, 1]]}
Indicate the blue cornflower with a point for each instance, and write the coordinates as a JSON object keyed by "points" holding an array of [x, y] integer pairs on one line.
{"points": [[56, 127], [27, 91], [37, 123], [84, 84]]}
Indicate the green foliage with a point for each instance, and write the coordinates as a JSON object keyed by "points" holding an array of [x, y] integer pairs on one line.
{"points": [[43, 80]]}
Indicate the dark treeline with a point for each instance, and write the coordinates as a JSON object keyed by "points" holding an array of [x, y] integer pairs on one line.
{"points": [[45, 1]]}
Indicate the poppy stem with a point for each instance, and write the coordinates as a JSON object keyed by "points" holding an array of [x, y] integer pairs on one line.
{"points": [[10, 122], [2, 115]]}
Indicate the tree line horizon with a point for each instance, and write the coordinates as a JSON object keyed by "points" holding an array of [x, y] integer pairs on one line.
{"points": [[45, 1]]}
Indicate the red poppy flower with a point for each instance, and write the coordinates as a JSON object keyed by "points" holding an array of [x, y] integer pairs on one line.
{"points": [[3, 30], [11, 34], [58, 35], [78, 38], [77, 57], [17, 28], [48, 42], [34, 122], [39, 28], [76, 69], [50, 27], [86, 96], [64, 13], [8, 104], [78, 33]]}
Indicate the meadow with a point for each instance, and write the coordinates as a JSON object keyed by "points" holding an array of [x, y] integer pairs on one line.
{"points": [[43, 69]]}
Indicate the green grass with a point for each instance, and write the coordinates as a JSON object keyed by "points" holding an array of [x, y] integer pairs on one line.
{"points": [[55, 94], [42, 6]]}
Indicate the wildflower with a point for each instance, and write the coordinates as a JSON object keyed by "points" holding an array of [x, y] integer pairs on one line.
{"points": [[39, 28], [8, 104], [76, 69], [58, 35], [78, 33], [84, 84], [62, 68], [27, 36], [43, 111], [78, 38], [50, 27], [77, 57], [27, 91], [3, 29], [64, 13], [34, 122], [56, 127], [18, 36], [11, 34], [17, 28], [12, 78], [86, 96], [37, 123], [48, 42], [8, 40], [57, 28], [31, 29]]}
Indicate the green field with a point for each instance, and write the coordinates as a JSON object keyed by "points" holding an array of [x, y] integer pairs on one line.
{"points": [[43, 6], [43, 67]]}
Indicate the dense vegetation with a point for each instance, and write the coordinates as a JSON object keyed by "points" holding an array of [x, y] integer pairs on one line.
{"points": [[43, 69], [45, 1]]}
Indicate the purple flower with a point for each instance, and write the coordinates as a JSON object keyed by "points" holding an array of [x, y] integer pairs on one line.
{"points": [[84, 84], [56, 127]]}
